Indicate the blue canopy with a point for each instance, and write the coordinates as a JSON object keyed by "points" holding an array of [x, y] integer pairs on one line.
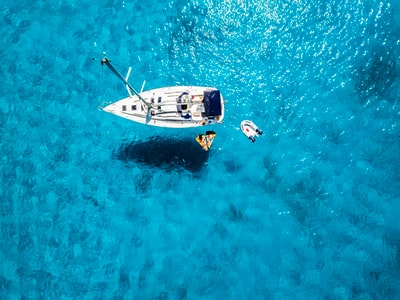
{"points": [[212, 103]]}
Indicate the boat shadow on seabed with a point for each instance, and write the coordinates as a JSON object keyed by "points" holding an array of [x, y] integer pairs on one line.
{"points": [[162, 152]]}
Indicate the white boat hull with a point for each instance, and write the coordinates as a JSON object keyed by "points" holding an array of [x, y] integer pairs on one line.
{"points": [[250, 130], [174, 107]]}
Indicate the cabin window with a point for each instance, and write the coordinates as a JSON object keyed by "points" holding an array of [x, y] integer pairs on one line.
{"points": [[159, 107], [123, 107], [159, 99], [133, 107]]}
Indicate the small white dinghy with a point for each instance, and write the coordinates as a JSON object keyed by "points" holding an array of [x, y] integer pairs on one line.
{"points": [[250, 130], [173, 107]]}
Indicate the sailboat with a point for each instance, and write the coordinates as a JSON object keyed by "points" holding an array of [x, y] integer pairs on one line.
{"points": [[173, 106]]}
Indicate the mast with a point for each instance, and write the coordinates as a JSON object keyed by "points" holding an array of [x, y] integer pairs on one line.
{"points": [[107, 62]]}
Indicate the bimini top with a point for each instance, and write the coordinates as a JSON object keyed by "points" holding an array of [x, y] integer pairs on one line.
{"points": [[212, 103]]}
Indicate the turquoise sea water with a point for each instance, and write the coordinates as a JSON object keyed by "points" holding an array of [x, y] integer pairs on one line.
{"points": [[96, 207]]}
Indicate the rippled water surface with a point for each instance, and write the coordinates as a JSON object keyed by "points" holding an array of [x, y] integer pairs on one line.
{"points": [[96, 207]]}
